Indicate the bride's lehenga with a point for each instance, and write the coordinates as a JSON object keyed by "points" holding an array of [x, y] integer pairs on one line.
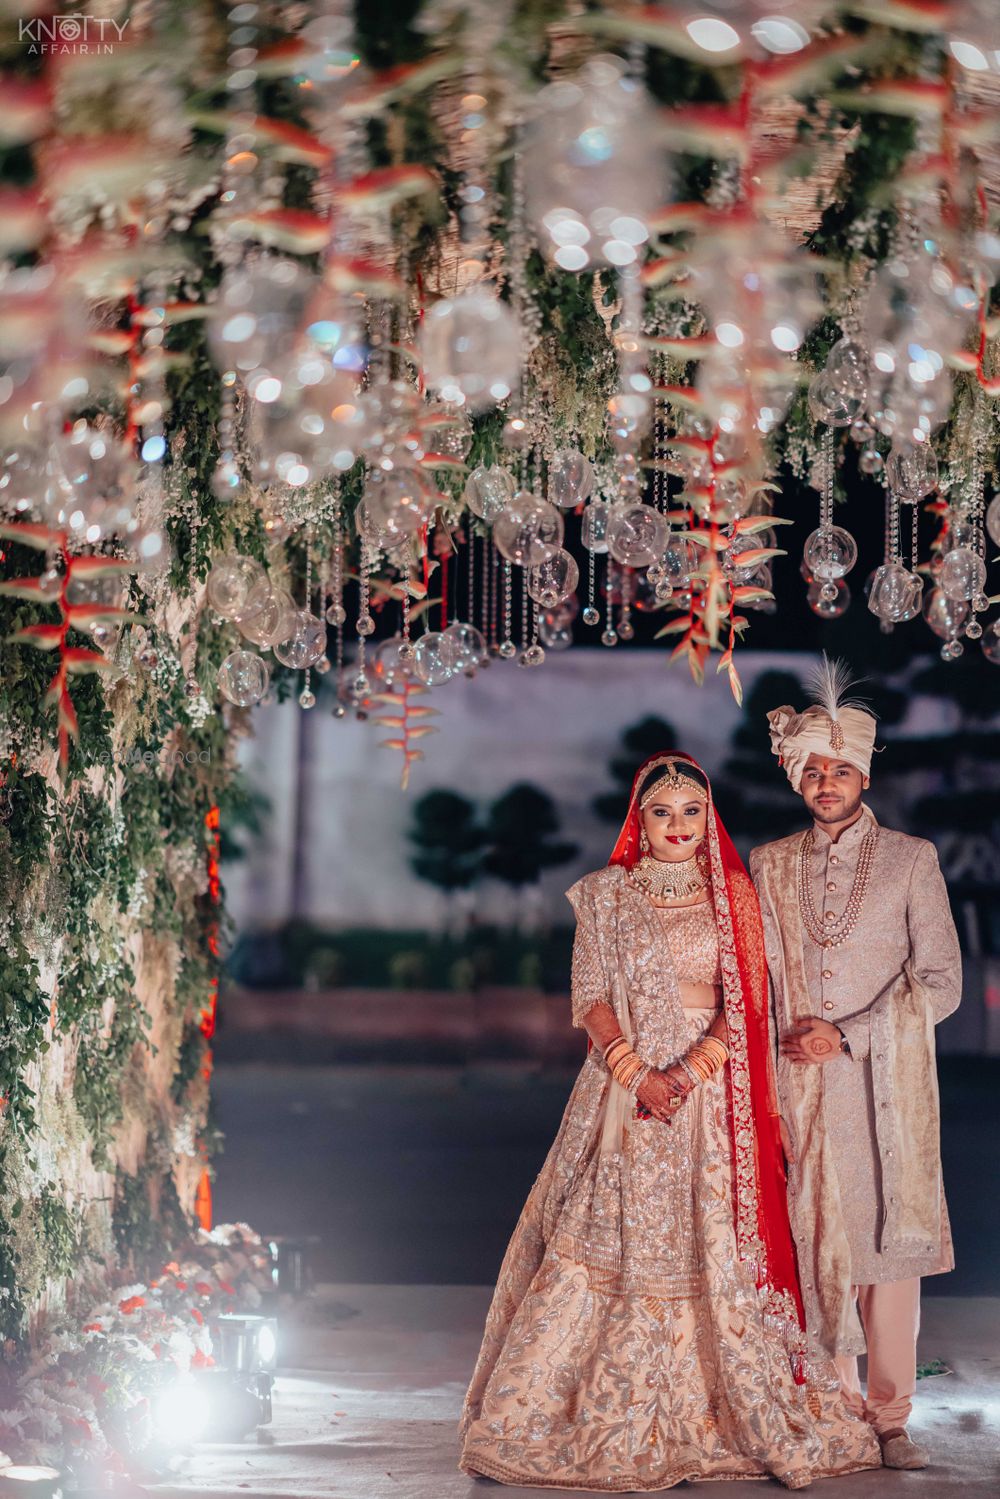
{"points": [[628, 1346]]}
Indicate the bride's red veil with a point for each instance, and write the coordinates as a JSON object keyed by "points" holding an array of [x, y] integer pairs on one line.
{"points": [[763, 1232]]}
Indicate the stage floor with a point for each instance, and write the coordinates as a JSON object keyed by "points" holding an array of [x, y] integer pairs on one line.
{"points": [[368, 1404]]}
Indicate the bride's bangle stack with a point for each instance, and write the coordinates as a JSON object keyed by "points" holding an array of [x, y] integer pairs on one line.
{"points": [[705, 1058], [625, 1066]]}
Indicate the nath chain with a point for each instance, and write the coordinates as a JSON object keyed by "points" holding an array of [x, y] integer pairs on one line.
{"points": [[832, 934]]}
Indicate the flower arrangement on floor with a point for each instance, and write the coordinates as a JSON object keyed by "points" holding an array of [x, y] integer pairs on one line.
{"points": [[84, 1395]]}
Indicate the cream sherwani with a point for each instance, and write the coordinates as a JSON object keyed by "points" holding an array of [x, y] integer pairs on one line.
{"points": [[865, 1194]]}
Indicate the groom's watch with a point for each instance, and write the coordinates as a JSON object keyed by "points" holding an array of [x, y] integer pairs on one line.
{"points": [[845, 1045]]}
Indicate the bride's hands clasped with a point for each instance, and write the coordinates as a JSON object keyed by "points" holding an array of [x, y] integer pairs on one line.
{"points": [[663, 1093]]}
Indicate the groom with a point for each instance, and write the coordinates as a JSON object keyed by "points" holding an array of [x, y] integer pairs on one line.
{"points": [[864, 961]]}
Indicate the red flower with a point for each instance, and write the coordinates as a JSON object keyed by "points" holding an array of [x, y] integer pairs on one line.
{"points": [[202, 1360], [197, 1316], [131, 1304], [225, 1286], [182, 1285], [93, 1327], [203, 1288]]}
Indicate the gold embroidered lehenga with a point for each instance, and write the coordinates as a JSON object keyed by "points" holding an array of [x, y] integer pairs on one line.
{"points": [[641, 1332]]}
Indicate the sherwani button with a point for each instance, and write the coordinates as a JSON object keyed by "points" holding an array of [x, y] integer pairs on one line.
{"points": [[828, 973], [829, 915], [834, 859], [830, 885], [828, 1004]]}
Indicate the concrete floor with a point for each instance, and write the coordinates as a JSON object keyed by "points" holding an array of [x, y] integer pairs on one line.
{"points": [[367, 1407]]}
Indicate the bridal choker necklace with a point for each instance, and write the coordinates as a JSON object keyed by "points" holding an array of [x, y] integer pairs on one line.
{"points": [[668, 881]]}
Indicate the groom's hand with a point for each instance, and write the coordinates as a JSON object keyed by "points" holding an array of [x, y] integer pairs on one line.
{"points": [[812, 1040]]}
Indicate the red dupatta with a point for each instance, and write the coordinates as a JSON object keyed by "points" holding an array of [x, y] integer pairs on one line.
{"points": [[763, 1232]]}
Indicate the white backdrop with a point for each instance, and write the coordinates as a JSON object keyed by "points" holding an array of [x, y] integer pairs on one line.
{"points": [[556, 726]]}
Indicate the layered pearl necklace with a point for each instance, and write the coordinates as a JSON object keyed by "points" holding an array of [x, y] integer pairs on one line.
{"points": [[832, 934], [663, 880]]}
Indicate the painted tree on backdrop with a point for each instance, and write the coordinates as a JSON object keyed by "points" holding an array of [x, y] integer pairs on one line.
{"points": [[447, 841], [521, 841], [641, 740]]}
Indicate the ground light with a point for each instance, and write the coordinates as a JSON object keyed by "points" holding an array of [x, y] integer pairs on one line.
{"points": [[213, 1405], [245, 1344], [291, 1268]]}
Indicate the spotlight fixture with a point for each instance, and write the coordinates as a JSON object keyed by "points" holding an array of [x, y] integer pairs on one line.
{"points": [[244, 1344], [291, 1272], [214, 1405]]}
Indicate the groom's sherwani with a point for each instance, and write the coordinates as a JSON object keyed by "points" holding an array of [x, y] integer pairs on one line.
{"points": [[865, 1194]]}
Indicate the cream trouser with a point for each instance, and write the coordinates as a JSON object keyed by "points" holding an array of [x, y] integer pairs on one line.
{"points": [[890, 1316]]}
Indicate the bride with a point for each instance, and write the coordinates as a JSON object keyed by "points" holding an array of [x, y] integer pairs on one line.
{"points": [[647, 1325]]}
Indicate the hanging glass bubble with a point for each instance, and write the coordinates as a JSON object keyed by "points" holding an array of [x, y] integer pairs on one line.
{"points": [[571, 478], [468, 646], [679, 559], [818, 596], [390, 413], [553, 579], [895, 593], [870, 461], [230, 584], [446, 429], [434, 658], [470, 349], [305, 642], [629, 416], [91, 483], [735, 569], [594, 172], [829, 552], [553, 636], [488, 490], [392, 661], [947, 617], [832, 406], [993, 520], [266, 615], [594, 527], [730, 499], [962, 574], [637, 535], [529, 530], [243, 678], [399, 501], [911, 471], [562, 615], [258, 313], [991, 642]]}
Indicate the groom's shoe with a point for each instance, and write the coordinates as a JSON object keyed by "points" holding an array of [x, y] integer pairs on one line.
{"points": [[899, 1451]]}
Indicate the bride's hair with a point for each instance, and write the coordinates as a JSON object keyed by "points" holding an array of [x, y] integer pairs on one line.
{"points": [[672, 771]]}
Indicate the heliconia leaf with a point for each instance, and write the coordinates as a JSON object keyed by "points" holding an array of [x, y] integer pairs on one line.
{"points": [[110, 340], [697, 667], [809, 68], [990, 384], [370, 99], [23, 222], [391, 720], [904, 15], [963, 359], [674, 218], [991, 327], [679, 395], [418, 710], [97, 567], [172, 312], [120, 165], [736, 686], [351, 273], [706, 130], [67, 716], [393, 744], [291, 229], [747, 525], [54, 689], [443, 460], [25, 588], [751, 557], [157, 361], [25, 109], [656, 273], [681, 348], [391, 698], [40, 538], [673, 627], [421, 730], [285, 58], [700, 538], [81, 663], [82, 615], [657, 28], [284, 141], [42, 637], [915, 98], [746, 594], [383, 188]]}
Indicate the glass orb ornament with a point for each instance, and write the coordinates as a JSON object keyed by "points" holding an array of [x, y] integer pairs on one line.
{"points": [[963, 573], [488, 490], [895, 593], [390, 664], [470, 349], [243, 678], [870, 461], [307, 698], [679, 559], [591, 616], [468, 646], [529, 530], [993, 520], [258, 313], [637, 535], [507, 650], [571, 478], [446, 429], [829, 600], [594, 171], [609, 637], [973, 630], [516, 435], [738, 571], [829, 552], [594, 527], [305, 642], [336, 614], [399, 501], [832, 406], [532, 655], [268, 614], [991, 643], [390, 412], [862, 432], [947, 617], [553, 636], [554, 579], [730, 499], [231, 584], [435, 658], [92, 483], [629, 417], [911, 471]]}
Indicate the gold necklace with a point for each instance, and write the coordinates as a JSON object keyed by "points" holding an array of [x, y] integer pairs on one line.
{"points": [[669, 881], [832, 934]]}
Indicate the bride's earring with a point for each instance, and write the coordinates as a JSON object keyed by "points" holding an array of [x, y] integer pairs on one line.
{"points": [[643, 841]]}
